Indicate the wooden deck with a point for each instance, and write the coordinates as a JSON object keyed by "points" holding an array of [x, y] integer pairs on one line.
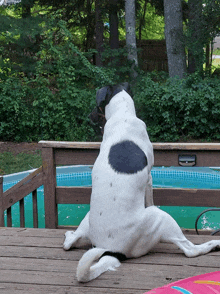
{"points": [[33, 261]]}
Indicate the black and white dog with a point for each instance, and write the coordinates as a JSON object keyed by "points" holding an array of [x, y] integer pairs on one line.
{"points": [[123, 222]]}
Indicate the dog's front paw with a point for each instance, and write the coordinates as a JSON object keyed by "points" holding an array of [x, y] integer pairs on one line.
{"points": [[69, 239]]}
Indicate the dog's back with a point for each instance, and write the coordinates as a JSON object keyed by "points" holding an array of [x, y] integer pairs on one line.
{"points": [[119, 176]]}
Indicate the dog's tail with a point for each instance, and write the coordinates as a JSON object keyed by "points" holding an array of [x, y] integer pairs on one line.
{"points": [[87, 272]]}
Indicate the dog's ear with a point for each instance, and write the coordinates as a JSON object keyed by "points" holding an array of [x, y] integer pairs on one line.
{"points": [[93, 116], [102, 96]]}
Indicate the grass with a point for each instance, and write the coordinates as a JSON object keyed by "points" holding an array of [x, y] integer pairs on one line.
{"points": [[217, 51], [9, 163], [216, 62]]}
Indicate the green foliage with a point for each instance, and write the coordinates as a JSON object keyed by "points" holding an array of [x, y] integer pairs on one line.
{"points": [[55, 104], [20, 40], [179, 109], [153, 24], [117, 63], [50, 94], [202, 26], [57, 108], [216, 52], [30, 111], [10, 163]]}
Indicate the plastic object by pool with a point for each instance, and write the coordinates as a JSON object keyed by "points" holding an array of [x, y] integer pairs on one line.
{"points": [[202, 284]]}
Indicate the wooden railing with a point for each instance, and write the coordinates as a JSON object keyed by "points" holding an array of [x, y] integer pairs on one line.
{"points": [[166, 154], [85, 153], [17, 193]]}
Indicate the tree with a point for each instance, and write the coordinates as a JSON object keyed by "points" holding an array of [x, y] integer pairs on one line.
{"points": [[174, 38], [130, 34], [113, 24], [195, 42], [211, 16], [20, 39], [99, 30], [142, 20]]}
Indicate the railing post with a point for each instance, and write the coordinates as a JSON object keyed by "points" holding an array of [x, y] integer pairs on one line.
{"points": [[1, 203], [35, 211], [22, 219], [49, 181]]}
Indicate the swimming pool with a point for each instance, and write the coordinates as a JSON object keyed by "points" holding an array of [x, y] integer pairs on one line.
{"points": [[72, 214]]}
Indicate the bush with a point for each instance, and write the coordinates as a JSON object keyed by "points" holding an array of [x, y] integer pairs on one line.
{"points": [[179, 109], [55, 104], [31, 111], [57, 108], [16, 115]]}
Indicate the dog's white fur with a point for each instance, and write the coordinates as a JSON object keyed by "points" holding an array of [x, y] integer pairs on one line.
{"points": [[122, 216]]}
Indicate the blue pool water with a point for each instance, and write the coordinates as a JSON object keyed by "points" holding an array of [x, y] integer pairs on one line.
{"points": [[178, 177]]}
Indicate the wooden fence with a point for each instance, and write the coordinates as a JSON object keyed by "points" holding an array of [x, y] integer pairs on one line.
{"points": [[153, 55], [85, 153]]}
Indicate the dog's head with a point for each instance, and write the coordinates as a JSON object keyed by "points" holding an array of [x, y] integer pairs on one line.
{"points": [[103, 97]]}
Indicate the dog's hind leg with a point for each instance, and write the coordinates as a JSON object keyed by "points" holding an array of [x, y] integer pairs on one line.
{"points": [[173, 234], [78, 238]]}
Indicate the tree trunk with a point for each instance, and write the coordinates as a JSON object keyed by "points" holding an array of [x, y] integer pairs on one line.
{"points": [[174, 38], [99, 29], [207, 57], [113, 23], [90, 26], [195, 44], [130, 34], [26, 11], [142, 20]]}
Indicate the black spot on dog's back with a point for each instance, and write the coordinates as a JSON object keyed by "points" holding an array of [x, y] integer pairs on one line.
{"points": [[127, 157]]}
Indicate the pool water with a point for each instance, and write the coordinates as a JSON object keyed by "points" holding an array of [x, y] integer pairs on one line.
{"points": [[72, 214]]}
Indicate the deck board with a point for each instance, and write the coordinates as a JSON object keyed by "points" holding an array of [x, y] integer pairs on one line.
{"points": [[33, 261]]}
